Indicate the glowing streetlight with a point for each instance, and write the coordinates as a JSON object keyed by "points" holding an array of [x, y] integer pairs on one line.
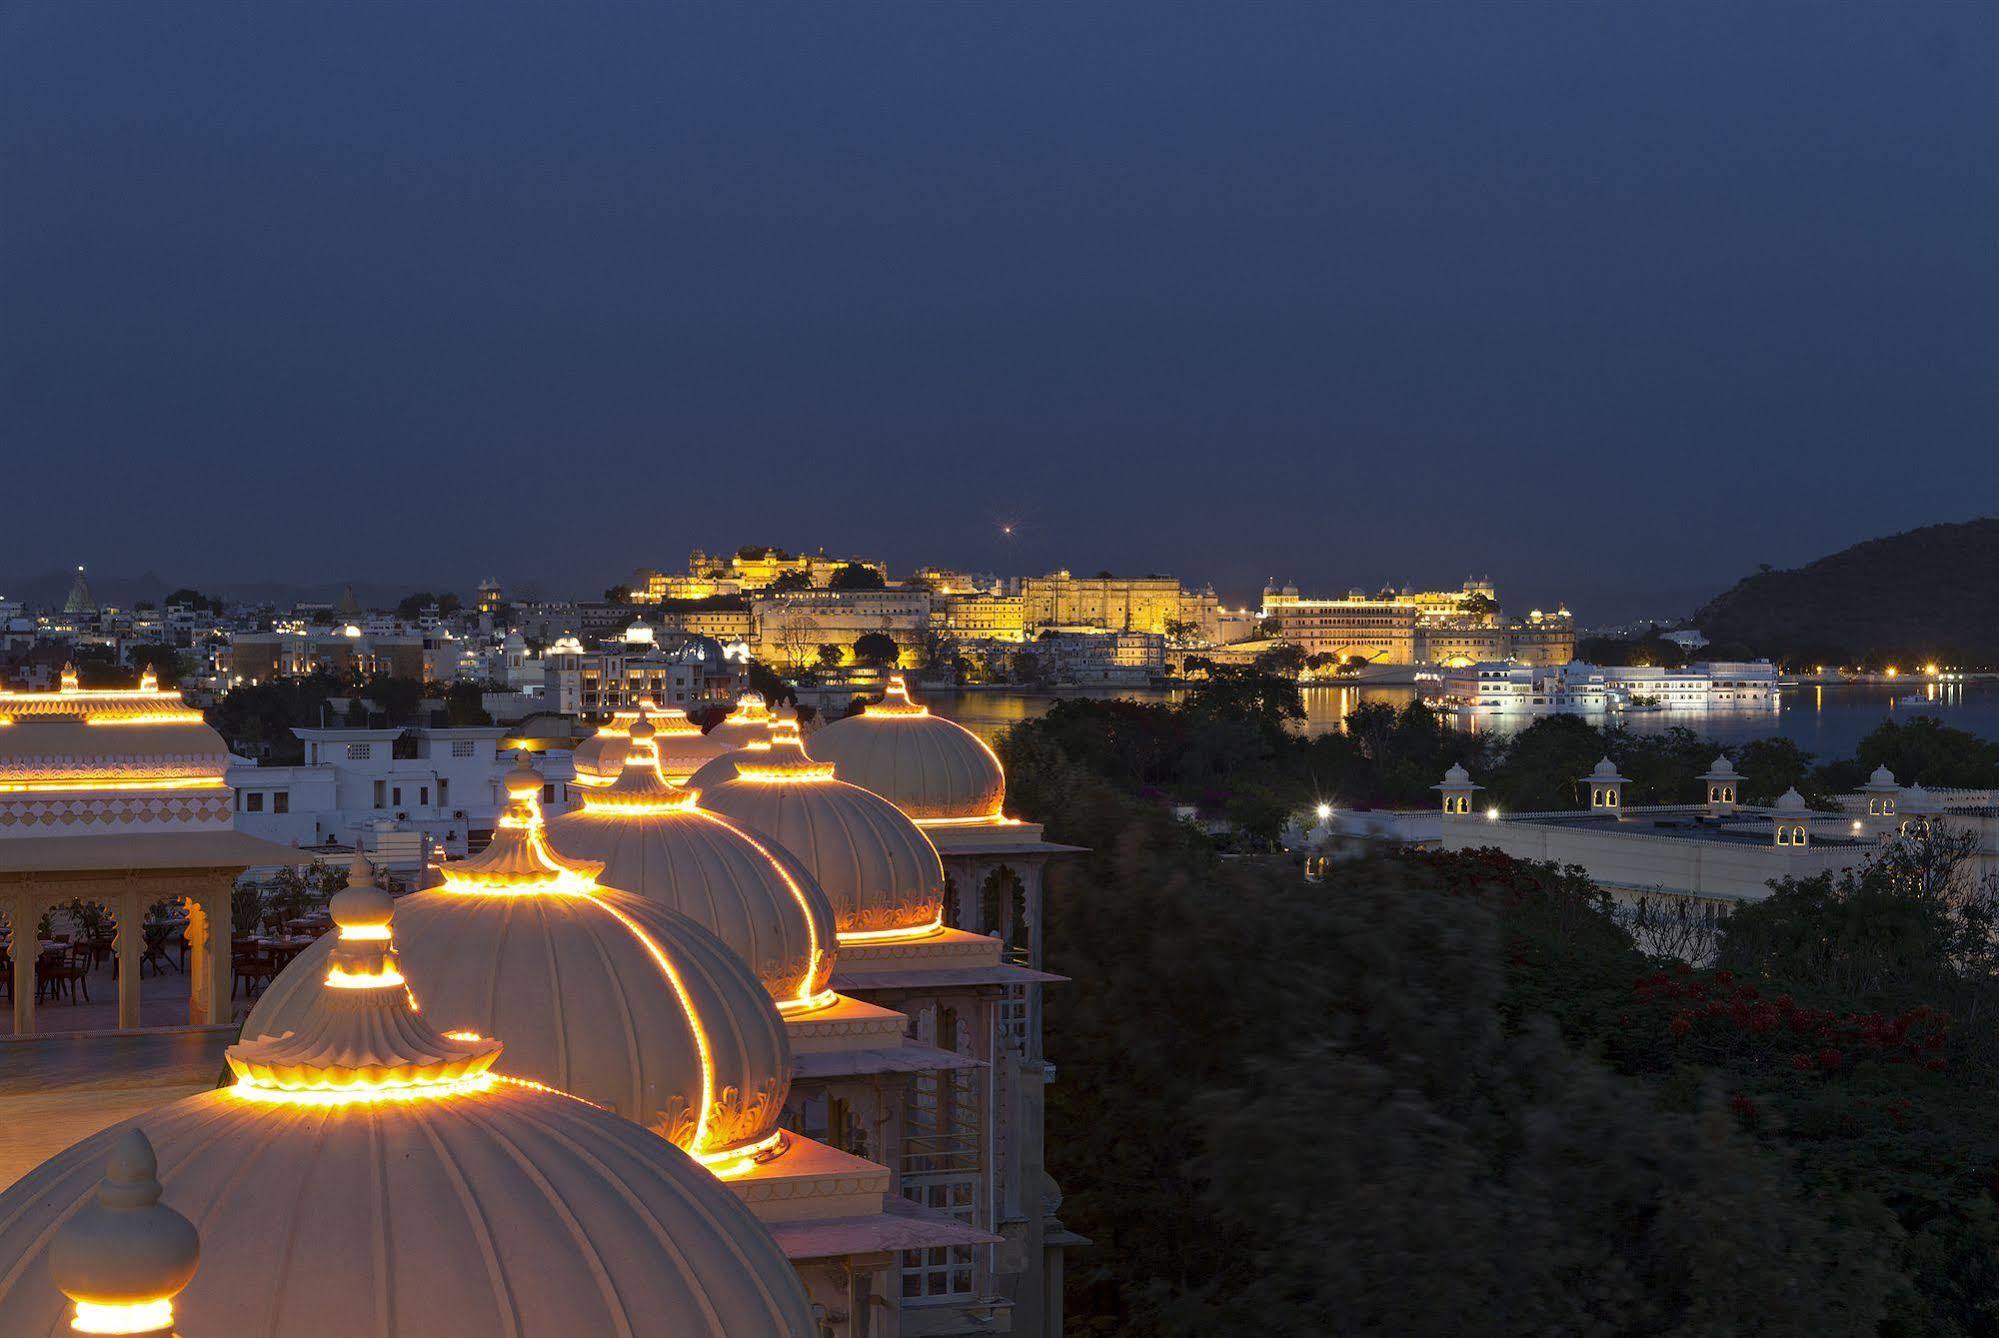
{"points": [[1325, 811]]}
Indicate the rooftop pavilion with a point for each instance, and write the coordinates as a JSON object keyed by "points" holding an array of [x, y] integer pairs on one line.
{"points": [[1722, 850], [119, 797]]}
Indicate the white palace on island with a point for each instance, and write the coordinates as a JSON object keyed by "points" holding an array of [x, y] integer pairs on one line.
{"points": [[745, 1043], [1508, 688]]}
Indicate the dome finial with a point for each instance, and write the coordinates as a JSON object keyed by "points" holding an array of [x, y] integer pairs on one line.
{"points": [[362, 1038], [70, 682], [125, 1256]]}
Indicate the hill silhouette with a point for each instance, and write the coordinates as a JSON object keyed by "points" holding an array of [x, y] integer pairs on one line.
{"points": [[1930, 594]]}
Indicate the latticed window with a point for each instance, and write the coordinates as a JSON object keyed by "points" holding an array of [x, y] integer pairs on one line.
{"points": [[941, 1160]]}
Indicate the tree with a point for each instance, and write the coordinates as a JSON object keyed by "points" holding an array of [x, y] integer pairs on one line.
{"points": [[166, 662], [618, 594], [789, 581], [796, 633], [412, 607], [1286, 660], [194, 599], [1477, 604], [830, 656], [854, 576], [1358, 1112], [765, 681], [1182, 630], [876, 648]]}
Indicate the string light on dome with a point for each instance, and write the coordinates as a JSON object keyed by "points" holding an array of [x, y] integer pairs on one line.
{"points": [[363, 1041], [124, 1256]]}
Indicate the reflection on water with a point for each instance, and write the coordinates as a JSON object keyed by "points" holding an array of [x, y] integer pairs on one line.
{"points": [[1826, 720]]}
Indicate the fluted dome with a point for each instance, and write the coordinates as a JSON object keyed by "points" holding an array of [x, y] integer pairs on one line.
{"points": [[598, 992], [744, 888], [931, 768], [680, 744], [749, 722], [454, 1202], [877, 868]]}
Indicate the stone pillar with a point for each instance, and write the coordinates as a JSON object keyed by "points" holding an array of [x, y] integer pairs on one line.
{"points": [[21, 915], [210, 961], [130, 947]]}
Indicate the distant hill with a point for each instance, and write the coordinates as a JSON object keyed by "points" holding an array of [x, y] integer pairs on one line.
{"points": [[49, 589], [1929, 594]]}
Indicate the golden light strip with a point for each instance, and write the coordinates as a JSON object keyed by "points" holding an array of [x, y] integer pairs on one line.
{"points": [[693, 1015], [164, 783], [769, 775], [740, 1161], [360, 1093], [138, 1317], [895, 935], [386, 978]]}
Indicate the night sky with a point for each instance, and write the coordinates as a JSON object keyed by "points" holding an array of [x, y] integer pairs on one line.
{"points": [[1598, 299]]}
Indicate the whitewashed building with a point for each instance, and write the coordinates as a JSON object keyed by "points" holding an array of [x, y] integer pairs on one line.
{"points": [[357, 786]]}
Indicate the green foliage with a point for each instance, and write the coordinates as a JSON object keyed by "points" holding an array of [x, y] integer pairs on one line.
{"points": [[767, 681], [165, 661], [791, 580], [1371, 1106], [1650, 650], [246, 908], [412, 606], [876, 648], [193, 599], [1922, 750], [854, 576], [618, 594]]}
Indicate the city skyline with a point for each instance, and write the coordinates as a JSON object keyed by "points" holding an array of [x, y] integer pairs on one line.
{"points": [[1337, 297]]}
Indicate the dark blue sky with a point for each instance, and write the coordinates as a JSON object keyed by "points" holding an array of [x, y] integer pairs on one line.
{"points": [[1592, 297]]}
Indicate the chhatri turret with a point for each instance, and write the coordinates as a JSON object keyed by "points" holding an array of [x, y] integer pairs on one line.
{"points": [[369, 1173], [598, 991]]}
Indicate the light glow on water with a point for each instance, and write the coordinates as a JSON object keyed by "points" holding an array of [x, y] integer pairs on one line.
{"points": [[1826, 719]]}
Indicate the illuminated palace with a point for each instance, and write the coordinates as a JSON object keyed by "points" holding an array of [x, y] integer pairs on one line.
{"points": [[1458, 627]]}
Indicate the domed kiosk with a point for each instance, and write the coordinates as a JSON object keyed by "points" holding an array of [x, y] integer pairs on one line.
{"points": [[933, 769], [748, 723], [882, 876], [652, 839], [368, 1173], [678, 743], [600, 992]]}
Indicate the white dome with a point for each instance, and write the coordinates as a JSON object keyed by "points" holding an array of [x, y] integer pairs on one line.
{"points": [[750, 722], [598, 992], [744, 888], [876, 866], [681, 745], [929, 767], [455, 1202]]}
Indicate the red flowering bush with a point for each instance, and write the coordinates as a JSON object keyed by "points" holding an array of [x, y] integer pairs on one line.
{"points": [[1713, 1018]]}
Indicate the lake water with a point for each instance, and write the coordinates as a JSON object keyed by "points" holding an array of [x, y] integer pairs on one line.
{"points": [[1828, 721]]}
